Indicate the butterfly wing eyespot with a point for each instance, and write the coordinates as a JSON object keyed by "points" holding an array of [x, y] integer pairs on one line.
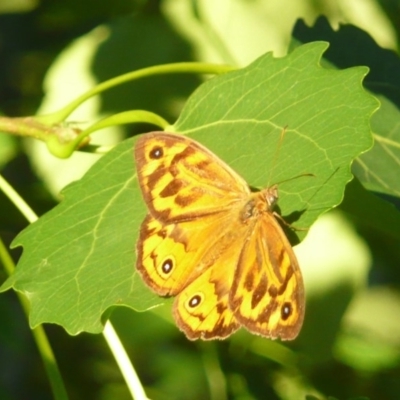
{"points": [[214, 245], [195, 301], [167, 266], [286, 311], [156, 153]]}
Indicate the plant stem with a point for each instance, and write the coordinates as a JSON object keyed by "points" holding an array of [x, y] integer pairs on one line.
{"points": [[39, 335], [126, 117], [173, 68], [134, 385]]}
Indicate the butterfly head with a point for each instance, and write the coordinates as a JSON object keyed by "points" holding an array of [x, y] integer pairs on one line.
{"points": [[259, 203], [271, 196]]}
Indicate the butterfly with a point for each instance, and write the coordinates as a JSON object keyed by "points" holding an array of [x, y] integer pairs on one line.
{"points": [[213, 244]]}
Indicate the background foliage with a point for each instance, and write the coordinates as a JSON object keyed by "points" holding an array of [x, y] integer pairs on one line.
{"points": [[53, 51]]}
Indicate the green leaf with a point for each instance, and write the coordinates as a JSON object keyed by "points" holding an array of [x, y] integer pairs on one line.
{"points": [[324, 114], [78, 259]]}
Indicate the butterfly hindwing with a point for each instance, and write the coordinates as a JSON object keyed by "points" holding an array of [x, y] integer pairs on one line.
{"points": [[201, 310], [182, 260], [170, 256]]}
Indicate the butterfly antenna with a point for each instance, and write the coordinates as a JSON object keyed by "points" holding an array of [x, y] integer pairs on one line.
{"points": [[322, 184], [295, 177], [276, 155], [275, 160]]}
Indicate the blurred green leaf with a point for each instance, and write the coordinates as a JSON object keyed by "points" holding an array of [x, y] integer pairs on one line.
{"points": [[370, 210], [8, 148], [78, 259], [129, 46], [377, 168], [366, 354]]}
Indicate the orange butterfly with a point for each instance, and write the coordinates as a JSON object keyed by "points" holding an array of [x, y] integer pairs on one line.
{"points": [[214, 244]]}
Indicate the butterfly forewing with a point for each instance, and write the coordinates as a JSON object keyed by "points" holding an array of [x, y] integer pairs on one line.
{"points": [[181, 179], [267, 295]]}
